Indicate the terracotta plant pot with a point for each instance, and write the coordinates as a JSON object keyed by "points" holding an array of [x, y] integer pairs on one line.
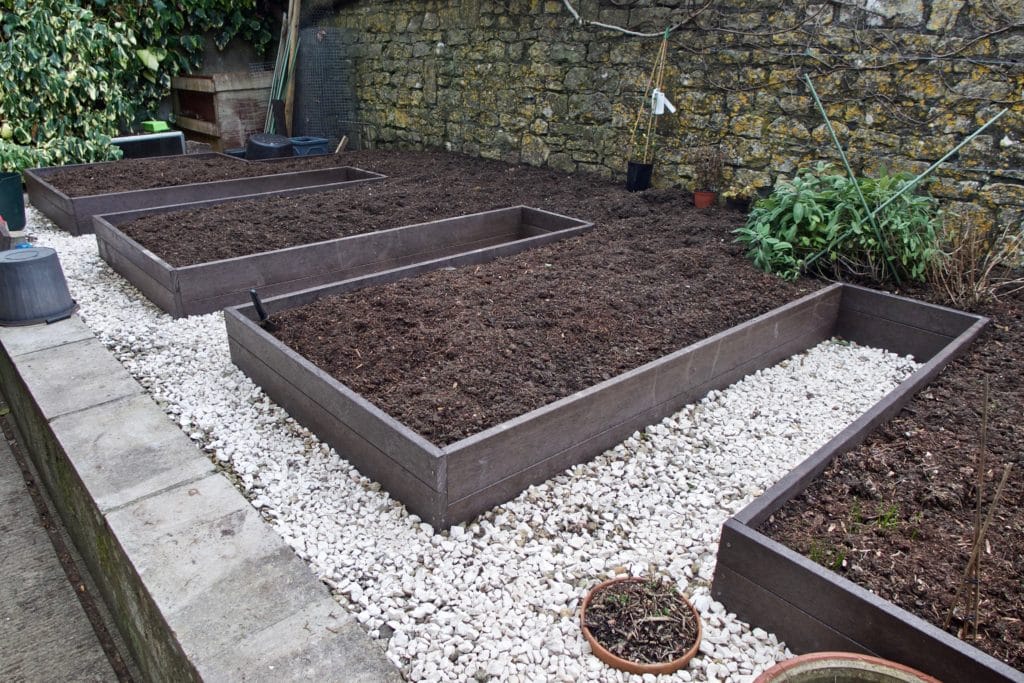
{"points": [[841, 666], [704, 199], [617, 662]]}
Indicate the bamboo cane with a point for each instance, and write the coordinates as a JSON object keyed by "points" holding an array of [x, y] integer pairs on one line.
{"points": [[976, 550], [268, 125], [293, 43]]}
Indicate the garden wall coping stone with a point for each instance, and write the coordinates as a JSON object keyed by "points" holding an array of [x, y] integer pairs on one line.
{"points": [[200, 587]]}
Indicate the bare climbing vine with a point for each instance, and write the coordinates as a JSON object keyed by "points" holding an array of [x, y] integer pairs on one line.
{"points": [[870, 45]]}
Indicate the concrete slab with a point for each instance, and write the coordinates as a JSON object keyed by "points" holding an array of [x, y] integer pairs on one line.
{"points": [[272, 656], [21, 340], [44, 632], [199, 586], [222, 578], [127, 450], [74, 376], [187, 540]]}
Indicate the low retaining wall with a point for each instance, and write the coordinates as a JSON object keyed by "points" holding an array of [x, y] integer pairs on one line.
{"points": [[199, 586]]}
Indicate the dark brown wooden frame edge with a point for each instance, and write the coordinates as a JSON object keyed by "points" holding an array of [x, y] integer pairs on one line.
{"points": [[226, 283], [812, 608], [75, 214]]}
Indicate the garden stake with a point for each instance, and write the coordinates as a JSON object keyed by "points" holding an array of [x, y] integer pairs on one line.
{"points": [[856, 185], [947, 155], [293, 57], [260, 311], [269, 126], [656, 80], [979, 489]]}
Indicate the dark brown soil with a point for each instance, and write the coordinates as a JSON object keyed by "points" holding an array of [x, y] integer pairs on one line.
{"points": [[897, 514], [644, 621], [145, 174], [654, 275], [420, 187], [454, 352]]}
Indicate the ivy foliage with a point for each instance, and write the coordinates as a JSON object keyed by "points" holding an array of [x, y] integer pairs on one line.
{"points": [[169, 36], [60, 97], [817, 224], [75, 73]]}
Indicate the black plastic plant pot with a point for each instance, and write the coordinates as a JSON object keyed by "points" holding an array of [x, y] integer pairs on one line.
{"points": [[638, 176], [32, 287], [12, 200], [268, 146]]}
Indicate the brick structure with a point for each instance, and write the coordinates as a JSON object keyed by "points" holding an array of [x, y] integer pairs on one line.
{"points": [[222, 109]]}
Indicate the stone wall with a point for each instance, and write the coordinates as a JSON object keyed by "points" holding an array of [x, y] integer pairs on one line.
{"points": [[521, 80]]}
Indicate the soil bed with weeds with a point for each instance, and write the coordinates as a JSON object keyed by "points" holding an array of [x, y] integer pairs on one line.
{"points": [[897, 515]]}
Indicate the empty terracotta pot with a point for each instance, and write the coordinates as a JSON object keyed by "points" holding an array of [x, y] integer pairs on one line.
{"points": [[842, 667], [704, 199]]}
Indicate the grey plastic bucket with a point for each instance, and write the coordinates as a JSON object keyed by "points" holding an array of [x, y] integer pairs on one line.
{"points": [[32, 287], [12, 201]]}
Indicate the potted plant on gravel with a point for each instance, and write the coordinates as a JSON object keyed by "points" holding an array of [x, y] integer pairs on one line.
{"points": [[641, 625], [707, 163]]}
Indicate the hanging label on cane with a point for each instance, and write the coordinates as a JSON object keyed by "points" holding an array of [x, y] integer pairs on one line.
{"points": [[659, 103]]}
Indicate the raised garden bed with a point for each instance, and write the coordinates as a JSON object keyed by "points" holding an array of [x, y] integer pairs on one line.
{"points": [[937, 414], [206, 287], [449, 483], [74, 212], [813, 608]]}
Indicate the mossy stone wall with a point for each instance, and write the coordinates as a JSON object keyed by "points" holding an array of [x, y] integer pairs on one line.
{"points": [[520, 80]]}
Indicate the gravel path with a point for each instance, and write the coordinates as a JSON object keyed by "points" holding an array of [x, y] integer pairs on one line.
{"points": [[496, 598]]}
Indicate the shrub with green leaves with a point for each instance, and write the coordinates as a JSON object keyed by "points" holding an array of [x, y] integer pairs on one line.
{"points": [[74, 74], [169, 36], [818, 224], [60, 94]]}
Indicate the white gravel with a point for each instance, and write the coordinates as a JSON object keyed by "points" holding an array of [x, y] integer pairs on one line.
{"points": [[496, 598]]}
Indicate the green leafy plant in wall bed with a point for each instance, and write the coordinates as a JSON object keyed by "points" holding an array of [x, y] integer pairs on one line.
{"points": [[74, 74], [817, 223]]}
